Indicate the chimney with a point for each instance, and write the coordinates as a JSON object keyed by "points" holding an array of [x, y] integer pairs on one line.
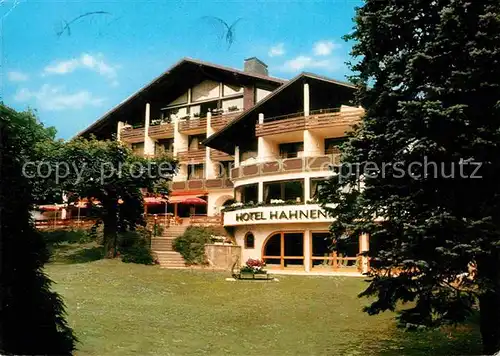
{"points": [[255, 66]]}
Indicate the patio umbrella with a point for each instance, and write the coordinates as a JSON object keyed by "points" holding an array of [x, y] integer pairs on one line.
{"points": [[194, 201]]}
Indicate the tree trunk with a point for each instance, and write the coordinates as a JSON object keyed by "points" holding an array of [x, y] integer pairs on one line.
{"points": [[489, 305], [110, 229]]}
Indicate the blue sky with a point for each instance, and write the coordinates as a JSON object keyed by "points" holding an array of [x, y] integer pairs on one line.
{"points": [[72, 79]]}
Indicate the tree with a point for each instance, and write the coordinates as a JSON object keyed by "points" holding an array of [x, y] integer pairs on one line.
{"points": [[106, 171], [428, 75], [31, 315]]}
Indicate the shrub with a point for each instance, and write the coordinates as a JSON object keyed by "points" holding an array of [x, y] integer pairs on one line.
{"points": [[57, 237], [135, 246], [191, 244]]}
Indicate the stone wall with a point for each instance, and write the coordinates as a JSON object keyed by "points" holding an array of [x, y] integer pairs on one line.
{"points": [[222, 256]]}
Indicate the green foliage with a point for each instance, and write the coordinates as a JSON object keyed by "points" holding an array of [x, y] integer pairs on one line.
{"points": [[109, 172], [429, 79], [191, 244], [157, 230], [135, 247], [32, 316]]}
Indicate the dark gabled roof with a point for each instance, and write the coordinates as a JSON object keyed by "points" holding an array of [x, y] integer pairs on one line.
{"points": [[162, 77], [221, 139]]}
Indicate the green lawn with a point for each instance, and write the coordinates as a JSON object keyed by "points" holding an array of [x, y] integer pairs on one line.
{"points": [[126, 309]]}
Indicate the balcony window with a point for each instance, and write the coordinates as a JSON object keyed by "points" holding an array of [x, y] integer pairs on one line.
{"points": [[195, 171], [316, 186], [291, 150], [211, 105], [195, 142], [164, 146], [250, 151], [247, 193], [223, 169], [289, 190], [138, 148], [332, 145]]}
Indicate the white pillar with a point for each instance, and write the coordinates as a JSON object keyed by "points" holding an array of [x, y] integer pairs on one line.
{"points": [[65, 202], [364, 246], [307, 250], [209, 165], [307, 189], [237, 156], [180, 144], [261, 118], [306, 99], [119, 128], [260, 192], [149, 143]]}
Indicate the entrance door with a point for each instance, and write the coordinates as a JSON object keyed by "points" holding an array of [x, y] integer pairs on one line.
{"points": [[284, 250]]}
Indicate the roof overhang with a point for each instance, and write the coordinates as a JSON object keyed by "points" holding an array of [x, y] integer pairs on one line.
{"points": [[172, 83]]}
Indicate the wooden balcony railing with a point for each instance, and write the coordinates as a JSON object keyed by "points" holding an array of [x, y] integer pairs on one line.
{"points": [[218, 122], [82, 223], [317, 119], [193, 125], [217, 155], [131, 135], [299, 164], [161, 131], [202, 184], [197, 155], [203, 220]]}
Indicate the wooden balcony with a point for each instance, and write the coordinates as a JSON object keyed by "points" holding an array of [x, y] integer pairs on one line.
{"points": [[131, 135], [193, 126], [202, 184], [220, 121], [161, 131], [317, 119], [198, 155], [289, 165], [217, 155]]}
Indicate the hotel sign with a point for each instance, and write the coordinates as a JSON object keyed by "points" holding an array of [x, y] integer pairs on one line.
{"points": [[279, 214]]}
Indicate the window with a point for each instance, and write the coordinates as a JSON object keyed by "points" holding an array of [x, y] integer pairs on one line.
{"points": [[332, 145], [205, 107], [223, 169], [284, 190], [249, 150], [195, 142], [195, 171], [247, 193], [164, 146], [316, 184], [138, 148], [249, 240], [291, 150]]}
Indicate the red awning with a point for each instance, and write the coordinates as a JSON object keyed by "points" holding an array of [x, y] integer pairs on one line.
{"points": [[192, 200], [154, 201], [53, 207]]}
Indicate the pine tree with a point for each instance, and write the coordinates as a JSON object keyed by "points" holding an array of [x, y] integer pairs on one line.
{"points": [[31, 315], [428, 73]]}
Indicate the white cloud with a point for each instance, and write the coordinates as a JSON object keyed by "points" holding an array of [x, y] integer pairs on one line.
{"points": [[277, 50], [54, 98], [324, 48], [16, 76], [85, 61], [305, 62]]}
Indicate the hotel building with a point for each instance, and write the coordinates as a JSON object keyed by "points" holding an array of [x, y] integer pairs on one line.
{"points": [[255, 148]]}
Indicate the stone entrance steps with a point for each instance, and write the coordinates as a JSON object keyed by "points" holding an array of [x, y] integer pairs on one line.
{"points": [[170, 259], [161, 246]]}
